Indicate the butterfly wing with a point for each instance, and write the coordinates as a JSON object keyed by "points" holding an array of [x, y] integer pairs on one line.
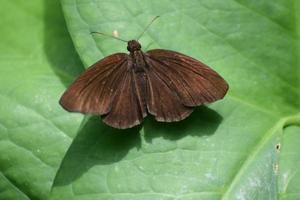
{"points": [[107, 88], [194, 82]]}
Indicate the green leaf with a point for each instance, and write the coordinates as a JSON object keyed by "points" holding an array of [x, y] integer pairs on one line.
{"points": [[227, 150], [37, 62]]}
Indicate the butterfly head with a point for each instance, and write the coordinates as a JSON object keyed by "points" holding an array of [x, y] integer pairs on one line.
{"points": [[133, 45]]}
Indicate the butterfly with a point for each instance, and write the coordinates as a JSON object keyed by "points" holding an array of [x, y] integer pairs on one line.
{"points": [[124, 88]]}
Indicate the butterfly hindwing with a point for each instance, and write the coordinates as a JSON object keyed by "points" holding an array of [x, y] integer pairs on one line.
{"points": [[128, 109], [194, 82], [162, 101]]}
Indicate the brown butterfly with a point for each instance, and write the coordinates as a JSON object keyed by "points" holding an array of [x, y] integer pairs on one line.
{"points": [[124, 88]]}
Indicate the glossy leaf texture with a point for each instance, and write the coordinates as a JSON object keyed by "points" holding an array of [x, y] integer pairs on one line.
{"points": [[243, 147]]}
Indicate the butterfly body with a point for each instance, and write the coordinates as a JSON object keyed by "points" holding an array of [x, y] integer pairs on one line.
{"points": [[124, 88], [137, 56]]}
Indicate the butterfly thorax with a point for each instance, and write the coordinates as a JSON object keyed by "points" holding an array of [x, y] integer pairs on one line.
{"points": [[137, 56]]}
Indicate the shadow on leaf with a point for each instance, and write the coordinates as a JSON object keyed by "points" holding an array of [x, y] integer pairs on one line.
{"points": [[203, 121], [96, 144], [99, 144]]}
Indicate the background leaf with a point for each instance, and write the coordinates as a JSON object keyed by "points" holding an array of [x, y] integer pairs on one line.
{"points": [[228, 150], [37, 61]]}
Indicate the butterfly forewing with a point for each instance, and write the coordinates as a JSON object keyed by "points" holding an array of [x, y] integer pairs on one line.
{"points": [[191, 80], [94, 90]]}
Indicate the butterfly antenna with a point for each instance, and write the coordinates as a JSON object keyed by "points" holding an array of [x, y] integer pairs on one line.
{"points": [[107, 35], [147, 27]]}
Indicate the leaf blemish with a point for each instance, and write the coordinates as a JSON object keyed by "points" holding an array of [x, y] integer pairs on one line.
{"points": [[115, 33], [278, 147]]}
